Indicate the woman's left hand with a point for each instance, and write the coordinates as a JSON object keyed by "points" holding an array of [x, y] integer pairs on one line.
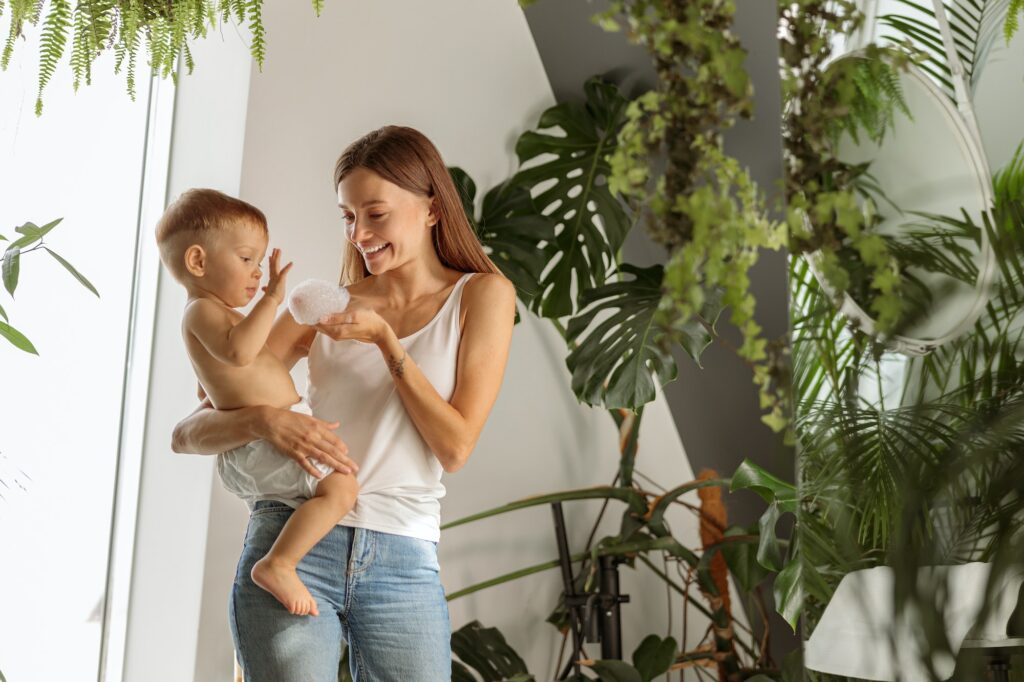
{"points": [[361, 324]]}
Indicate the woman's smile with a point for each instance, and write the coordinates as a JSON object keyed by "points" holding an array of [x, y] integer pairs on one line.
{"points": [[376, 252]]}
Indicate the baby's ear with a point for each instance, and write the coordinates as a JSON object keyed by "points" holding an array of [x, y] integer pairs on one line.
{"points": [[195, 260]]}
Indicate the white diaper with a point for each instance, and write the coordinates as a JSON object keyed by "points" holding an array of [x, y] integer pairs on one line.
{"points": [[258, 471]]}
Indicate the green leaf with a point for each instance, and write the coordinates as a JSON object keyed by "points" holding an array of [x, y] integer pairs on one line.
{"points": [[769, 552], [768, 486], [741, 558], [31, 233], [576, 194], [617, 361], [654, 656], [511, 228], [3, 314], [88, 285], [789, 591], [3, 238], [615, 671], [17, 338], [11, 268], [486, 651]]}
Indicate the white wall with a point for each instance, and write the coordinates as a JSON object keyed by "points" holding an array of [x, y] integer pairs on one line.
{"points": [[467, 74], [174, 498]]}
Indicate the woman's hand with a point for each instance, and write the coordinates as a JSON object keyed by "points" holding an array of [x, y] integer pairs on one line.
{"points": [[301, 437], [361, 324]]}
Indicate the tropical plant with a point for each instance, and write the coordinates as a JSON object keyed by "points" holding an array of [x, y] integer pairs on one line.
{"points": [[546, 227], [903, 461], [976, 25]]}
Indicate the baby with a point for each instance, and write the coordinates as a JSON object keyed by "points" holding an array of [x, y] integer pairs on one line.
{"points": [[213, 245]]}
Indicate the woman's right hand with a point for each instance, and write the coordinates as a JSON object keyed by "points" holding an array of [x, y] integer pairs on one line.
{"points": [[300, 437]]}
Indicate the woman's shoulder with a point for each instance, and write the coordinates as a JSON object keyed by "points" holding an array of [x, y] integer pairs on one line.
{"points": [[487, 289]]}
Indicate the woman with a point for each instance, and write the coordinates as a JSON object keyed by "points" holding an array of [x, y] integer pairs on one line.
{"points": [[410, 371]]}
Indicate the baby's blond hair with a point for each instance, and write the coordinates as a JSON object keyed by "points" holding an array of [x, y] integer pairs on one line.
{"points": [[197, 217]]}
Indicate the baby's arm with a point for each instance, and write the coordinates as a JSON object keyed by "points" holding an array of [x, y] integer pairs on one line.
{"points": [[237, 344]]}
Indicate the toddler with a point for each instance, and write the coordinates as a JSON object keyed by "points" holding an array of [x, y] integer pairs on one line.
{"points": [[213, 245]]}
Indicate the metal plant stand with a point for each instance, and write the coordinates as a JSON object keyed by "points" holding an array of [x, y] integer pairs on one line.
{"points": [[593, 617]]}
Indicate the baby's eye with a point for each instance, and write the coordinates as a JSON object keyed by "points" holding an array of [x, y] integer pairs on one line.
{"points": [[246, 259], [378, 215]]}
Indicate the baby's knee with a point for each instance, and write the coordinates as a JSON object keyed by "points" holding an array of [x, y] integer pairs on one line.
{"points": [[340, 489]]}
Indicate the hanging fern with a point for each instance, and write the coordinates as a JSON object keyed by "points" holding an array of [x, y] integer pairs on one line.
{"points": [[1012, 22], [93, 26], [52, 45]]}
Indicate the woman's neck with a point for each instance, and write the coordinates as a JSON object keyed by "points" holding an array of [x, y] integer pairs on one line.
{"points": [[411, 282]]}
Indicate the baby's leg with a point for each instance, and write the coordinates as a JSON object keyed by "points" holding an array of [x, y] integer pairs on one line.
{"points": [[335, 496]]}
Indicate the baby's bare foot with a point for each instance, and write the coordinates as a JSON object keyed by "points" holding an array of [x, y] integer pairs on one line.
{"points": [[281, 580]]}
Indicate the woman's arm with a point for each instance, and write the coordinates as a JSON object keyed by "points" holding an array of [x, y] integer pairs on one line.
{"points": [[208, 431], [451, 429], [298, 436]]}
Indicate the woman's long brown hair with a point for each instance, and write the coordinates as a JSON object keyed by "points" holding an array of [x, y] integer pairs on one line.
{"points": [[406, 157]]}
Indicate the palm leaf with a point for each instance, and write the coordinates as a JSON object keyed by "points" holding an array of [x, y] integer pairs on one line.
{"points": [[975, 25]]}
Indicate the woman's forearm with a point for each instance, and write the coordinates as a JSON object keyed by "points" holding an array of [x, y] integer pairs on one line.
{"points": [[208, 431], [442, 426]]}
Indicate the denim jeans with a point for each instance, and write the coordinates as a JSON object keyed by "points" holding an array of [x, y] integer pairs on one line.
{"points": [[379, 592]]}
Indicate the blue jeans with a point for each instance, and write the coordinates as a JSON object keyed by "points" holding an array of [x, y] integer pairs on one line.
{"points": [[380, 592]]}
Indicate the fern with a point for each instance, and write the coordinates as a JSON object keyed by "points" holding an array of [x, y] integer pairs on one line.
{"points": [[1012, 22], [52, 48], [258, 47], [92, 26]]}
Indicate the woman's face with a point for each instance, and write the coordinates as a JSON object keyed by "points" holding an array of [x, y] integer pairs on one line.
{"points": [[387, 224]]}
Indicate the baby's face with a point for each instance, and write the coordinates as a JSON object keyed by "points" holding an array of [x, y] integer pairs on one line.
{"points": [[234, 256]]}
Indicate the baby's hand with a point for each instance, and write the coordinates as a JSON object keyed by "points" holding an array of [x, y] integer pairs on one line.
{"points": [[275, 286]]}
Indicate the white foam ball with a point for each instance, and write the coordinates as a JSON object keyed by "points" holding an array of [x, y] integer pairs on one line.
{"points": [[314, 298]]}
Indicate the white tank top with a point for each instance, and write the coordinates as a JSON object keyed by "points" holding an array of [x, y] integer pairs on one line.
{"points": [[349, 382]]}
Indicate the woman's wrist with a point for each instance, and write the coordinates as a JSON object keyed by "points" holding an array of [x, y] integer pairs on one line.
{"points": [[257, 420], [393, 352]]}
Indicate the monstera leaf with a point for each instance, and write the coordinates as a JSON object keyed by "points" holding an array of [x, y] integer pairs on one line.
{"points": [[510, 227], [486, 651], [622, 349], [590, 223]]}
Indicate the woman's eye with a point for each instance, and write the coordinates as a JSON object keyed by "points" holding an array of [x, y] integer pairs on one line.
{"points": [[379, 215], [246, 259]]}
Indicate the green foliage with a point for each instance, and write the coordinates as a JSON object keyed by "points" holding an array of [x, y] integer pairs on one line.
{"points": [[1012, 20], [31, 239], [486, 651], [975, 24], [94, 26], [590, 222], [703, 207], [823, 212], [510, 228], [613, 364]]}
